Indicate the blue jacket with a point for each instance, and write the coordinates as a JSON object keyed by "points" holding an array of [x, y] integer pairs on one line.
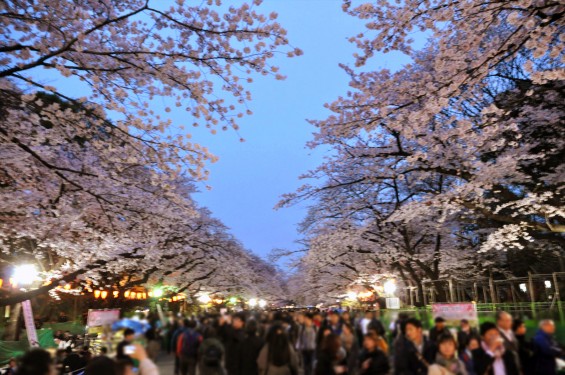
{"points": [[545, 352]]}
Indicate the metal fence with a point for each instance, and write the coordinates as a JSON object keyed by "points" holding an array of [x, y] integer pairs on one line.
{"points": [[534, 293]]}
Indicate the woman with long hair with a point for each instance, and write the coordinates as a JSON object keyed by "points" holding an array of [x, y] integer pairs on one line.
{"points": [[277, 356], [331, 358]]}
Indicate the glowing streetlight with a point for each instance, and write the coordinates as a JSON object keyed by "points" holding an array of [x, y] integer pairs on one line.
{"points": [[390, 287], [547, 284], [252, 302], [25, 274], [262, 303], [523, 287], [352, 296], [205, 299], [157, 293], [233, 300]]}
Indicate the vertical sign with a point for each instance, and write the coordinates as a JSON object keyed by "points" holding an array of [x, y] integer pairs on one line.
{"points": [[30, 324], [161, 315]]}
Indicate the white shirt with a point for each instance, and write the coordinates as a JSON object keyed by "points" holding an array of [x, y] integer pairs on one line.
{"points": [[498, 367]]}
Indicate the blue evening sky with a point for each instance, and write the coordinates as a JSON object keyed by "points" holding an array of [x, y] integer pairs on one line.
{"points": [[250, 177]]}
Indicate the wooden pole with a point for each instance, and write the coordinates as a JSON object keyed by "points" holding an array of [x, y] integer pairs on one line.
{"points": [[532, 293], [492, 290]]}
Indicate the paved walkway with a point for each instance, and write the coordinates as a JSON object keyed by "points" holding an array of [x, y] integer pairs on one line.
{"points": [[166, 364]]}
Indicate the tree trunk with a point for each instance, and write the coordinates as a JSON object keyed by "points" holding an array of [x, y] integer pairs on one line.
{"points": [[12, 331]]}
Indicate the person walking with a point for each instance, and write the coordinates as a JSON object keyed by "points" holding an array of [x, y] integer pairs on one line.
{"points": [[250, 349], [351, 346], [492, 358], [413, 351], [525, 348], [447, 361], [232, 335], [331, 357], [211, 354], [181, 327], [546, 349], [277, 357], [464, 334], [372, 360], [187, 349], [306, 344], [504, 325], [439, 329]]}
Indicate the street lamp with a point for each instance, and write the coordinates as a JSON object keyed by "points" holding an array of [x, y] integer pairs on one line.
{"points": [[352, 296], [390, 287], [205, 299], [25, 274], [252, 302], [262, 303]]}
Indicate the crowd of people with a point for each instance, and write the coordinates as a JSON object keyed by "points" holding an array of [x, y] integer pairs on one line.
{"points": [[316, 343]]}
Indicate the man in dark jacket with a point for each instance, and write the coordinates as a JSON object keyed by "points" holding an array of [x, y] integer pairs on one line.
{"points": [[232, 336], [546, 349], [439, 329], [250, 348], [464, 334], [492, 357], [413, 352]]}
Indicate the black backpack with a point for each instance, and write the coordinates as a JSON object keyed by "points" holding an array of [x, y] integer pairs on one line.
{"points": [[212, 356]]}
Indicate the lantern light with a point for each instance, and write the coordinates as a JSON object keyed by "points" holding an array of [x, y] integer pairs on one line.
{"points": [[158, 292], [116, 293], [253, 302], [1, 283], [233, 300], [104, 294], [126, 293], [139, 295], [150, 294], [67, 286], [262, 303], [96, 294], [144, 295]]}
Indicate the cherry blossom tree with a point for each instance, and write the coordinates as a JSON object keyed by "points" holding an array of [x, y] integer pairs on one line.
{"points": [[96, 179], [457, 152]]}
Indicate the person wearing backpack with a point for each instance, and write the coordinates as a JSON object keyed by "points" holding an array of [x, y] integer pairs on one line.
{"points": [[210, 354], [187, 349]]}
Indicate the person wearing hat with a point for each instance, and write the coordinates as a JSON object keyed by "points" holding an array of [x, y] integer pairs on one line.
{"points": [[438, 330], [492, 358]]}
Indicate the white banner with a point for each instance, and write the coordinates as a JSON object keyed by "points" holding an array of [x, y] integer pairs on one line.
{"points": [[99, 318], [393, 303], [454, 312], [30, 324]]}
